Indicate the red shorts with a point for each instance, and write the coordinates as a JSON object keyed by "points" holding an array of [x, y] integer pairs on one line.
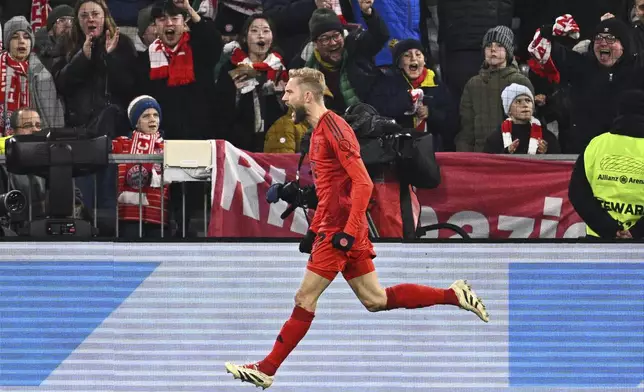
{"points": [[327, 261]]}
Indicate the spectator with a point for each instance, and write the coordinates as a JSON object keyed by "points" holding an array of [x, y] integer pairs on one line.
{"points": [[606, 182], [28, 81], [146, 29], [461, 24], [14, 68], [177, 69], [284, 136], [250, 86], [96, 81], [229, 23], [481, 109], [638, 31], [32, 10], [521, 132], [410, 92], [291, 19], [145, 117], [345, 59], [24, 121], [596, 78], [96, 77], [50, 40]]}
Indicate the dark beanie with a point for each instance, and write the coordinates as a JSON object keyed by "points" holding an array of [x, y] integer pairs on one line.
{"points": [[631, 102], [144, 20], [503, 36], [323, 20], [58, 12], [398, 48], [619, 29]]}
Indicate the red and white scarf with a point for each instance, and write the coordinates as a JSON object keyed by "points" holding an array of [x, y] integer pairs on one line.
{"points": [[39, 14], [175, 64], [536, 134], [140, 144], [14, 89], [272, 65]]}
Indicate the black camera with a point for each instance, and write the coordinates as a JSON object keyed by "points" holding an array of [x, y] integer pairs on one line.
{"points": [[294, 194]]}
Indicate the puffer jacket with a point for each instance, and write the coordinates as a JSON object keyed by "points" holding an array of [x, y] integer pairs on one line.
{"points": [[284, 136], [481, 107], [463, 23]]}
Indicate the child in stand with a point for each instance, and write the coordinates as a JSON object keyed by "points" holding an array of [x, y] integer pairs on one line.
{"points": [[144, 113]]}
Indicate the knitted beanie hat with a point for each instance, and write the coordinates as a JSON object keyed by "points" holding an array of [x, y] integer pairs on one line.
{"points": [[58, 12], [511, 93], [503, 36], [398, 48], [139, 105], [323, 20], [15, 24]]}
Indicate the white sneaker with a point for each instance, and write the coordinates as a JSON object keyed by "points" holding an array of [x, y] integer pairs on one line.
{"points": [[468, 299], [250, 373]]}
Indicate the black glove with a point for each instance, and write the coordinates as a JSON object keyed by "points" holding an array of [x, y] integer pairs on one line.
{"points": [[306, 245], [342, 241]]}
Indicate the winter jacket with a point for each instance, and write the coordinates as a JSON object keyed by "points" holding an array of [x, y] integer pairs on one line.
{"points": [[90, 85], [43, 94], [126, 12], [638, 37], [357, 67], [237, 122], [391, 98], [494, 142], [291, 20], [463, 23], [189, 111], [284, 136], [481, 107], [402, 18], [594, 90]]}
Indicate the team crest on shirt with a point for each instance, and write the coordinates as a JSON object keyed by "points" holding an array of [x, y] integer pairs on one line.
{"points": [[137, 175]]}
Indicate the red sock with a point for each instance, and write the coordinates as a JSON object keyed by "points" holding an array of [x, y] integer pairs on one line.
{"points": [[292, 332], [412, 296]]}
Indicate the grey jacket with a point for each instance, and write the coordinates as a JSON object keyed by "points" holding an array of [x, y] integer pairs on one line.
{"points": [[43, 95]]}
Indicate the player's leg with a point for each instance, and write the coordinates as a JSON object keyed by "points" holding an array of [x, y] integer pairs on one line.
{"points": [[363, 279], [294, 329]]}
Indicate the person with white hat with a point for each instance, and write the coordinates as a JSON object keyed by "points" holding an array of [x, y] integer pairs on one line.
{"points": [[521, 132]]}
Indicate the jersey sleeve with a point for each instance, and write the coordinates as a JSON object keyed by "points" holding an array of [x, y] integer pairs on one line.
{"points": [[342, 140]]}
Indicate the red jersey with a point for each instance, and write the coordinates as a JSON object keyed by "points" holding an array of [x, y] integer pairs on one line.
{"points": [[342, 184], [129, 174]]}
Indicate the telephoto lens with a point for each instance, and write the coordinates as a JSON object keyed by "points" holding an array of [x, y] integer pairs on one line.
{"points": [[12, 202]]}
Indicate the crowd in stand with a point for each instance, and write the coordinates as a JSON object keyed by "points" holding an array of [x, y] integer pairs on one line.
{"points": [[529, 76]]}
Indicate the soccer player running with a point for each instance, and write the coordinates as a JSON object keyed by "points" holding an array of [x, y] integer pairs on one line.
{"points": [[338, 237]]}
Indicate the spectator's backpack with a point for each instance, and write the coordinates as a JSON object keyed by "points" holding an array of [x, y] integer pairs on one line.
{"points": [[383, 141]]}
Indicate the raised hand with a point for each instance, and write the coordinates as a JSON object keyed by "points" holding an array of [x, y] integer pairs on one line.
{"points": [[111, 41]]}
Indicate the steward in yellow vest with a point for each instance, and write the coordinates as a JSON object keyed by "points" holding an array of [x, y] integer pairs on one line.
{"points": [[607, 184]]}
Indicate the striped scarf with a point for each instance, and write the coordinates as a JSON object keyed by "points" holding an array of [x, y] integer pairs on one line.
{"points": [[14, 89]]}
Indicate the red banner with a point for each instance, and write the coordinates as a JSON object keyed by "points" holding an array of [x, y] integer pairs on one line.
{"points": [[490, 196]]}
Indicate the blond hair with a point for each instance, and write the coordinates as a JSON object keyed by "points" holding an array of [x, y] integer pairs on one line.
{"points": [[309, 79]]}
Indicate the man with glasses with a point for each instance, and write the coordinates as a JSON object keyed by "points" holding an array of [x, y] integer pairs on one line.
{"points": [[23, 121], [49, 40], [345, 58], [596, 79]]}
